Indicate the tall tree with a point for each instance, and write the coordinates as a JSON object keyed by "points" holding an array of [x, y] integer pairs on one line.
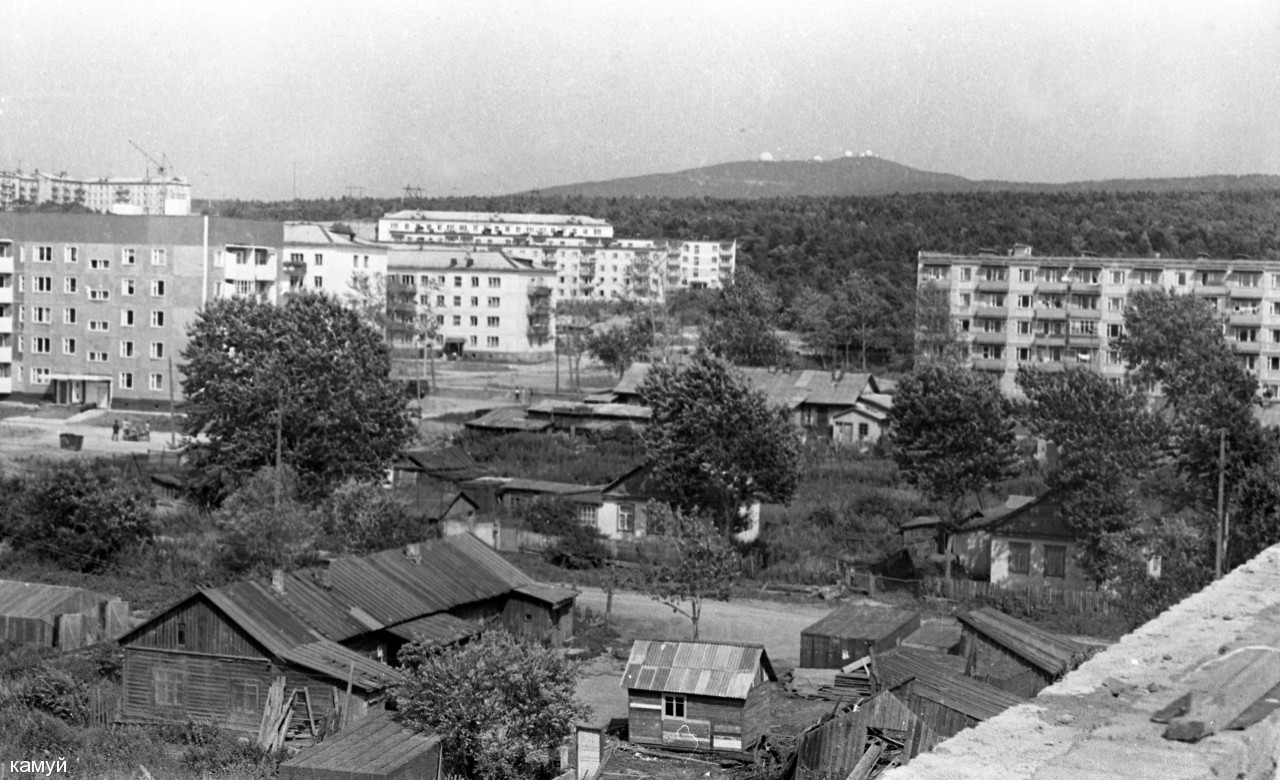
{"points": [[715, 441], [704, 567], [936, 338], [1108, 441], [855, 311], [742, 323], [618, 346], [952, 437], [576, 319], [501, 704], [306, 383]]}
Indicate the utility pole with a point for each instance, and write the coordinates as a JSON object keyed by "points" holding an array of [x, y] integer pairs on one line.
{"points": [[1219, 558], [279, 444], [173, 418]]}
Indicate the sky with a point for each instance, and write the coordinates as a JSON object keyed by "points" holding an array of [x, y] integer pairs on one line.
{"points": [[476, 97]]}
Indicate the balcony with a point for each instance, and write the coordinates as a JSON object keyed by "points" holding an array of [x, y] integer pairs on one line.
{"points": [[1051, 340], [294, 265], [6, 385], [1084, 339], [1247, 347], [1235, 317], [1050, 314], [992, 312], [989, 364], [994, 285], [6, 324], [1078, 313], [539, 291], [6, 355], [1247, 293], [1093, 288], [982, 337], [6, 295], [1052, 287], [1210, 289], [6, 264]]}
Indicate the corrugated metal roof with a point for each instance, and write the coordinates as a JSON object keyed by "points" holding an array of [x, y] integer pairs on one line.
{"points": [[1052, 654], [936, 680], [701, 668], [861, 621], [550, 594], [440, 628], [508, 419], [375, 747], [789, 388], [37, 600]]}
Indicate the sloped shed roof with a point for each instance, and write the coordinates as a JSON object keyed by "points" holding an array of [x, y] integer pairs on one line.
{"points": [[37, 600], [1052, 654], [862, 621], [936, 681], [702, 668], [377, 747]]}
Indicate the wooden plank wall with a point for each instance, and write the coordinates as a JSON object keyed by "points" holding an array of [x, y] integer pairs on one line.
{"points": [[755, 711], [1001, 667], [945, 721], [644, 726], [205, 631]]}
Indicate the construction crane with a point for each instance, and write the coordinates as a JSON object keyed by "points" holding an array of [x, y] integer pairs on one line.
{"points": [[161, 168]]}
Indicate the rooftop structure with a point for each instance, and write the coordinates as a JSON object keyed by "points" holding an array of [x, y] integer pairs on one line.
{"points": [[157, 196]]}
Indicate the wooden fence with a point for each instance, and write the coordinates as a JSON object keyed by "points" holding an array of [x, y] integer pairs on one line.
{"points": [[1081, 602]]}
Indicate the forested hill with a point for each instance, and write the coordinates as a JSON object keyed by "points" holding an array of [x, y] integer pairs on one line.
{"points": [[863, 176]]}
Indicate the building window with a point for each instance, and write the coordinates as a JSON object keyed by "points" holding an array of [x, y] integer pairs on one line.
{"points": [[170, 686], [495, 281], [475, 281], [157, 319], [672, 706], [159, 257], [44, 284], [243, 287], [457, 281], [68, 316], [99, 263], [44, 254], [71, 254], [128, 256], [244, 697], [157, 350], [317, 282], [492, 322], [39, 376], [41, 314], [97, 357], [126, 287], [495, 303], [475, 303], [491, 341], [69, 285], [99, 325], [457, 319], [68, 346], [864, 430], [99, 295], [440, 301], [1019, 558], [126, 379], [155, 381], [157, 288], [473, 340], [126, 318], [627, 518], [126, 349], [457, 301], [1117, 277], [1055, 561], [588, 514]]}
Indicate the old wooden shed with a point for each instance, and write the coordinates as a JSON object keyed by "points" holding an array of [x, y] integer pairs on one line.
{"points": [[832, 748], [1014, 655], [57, 616], [212, 657], [697, 695], [851, 632], [934, 688], [378, 748]]}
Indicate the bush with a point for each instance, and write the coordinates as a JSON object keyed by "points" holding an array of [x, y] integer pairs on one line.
{"points": [[260, 532], [581, 547], [103, 750], [361, 517], [56, 692], [36, 735]]}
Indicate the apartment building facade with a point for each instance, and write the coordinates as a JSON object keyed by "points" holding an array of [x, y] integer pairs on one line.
{"points": [[589, 260], [100, 304], [115, 195], [320, 259], [1020, 309], [487, 304]]}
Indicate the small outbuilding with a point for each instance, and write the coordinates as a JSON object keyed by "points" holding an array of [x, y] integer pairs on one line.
{"points": [[58, 616], [705, 696], [377, 748], [934, 687], [853, 631], [1014, 655]]}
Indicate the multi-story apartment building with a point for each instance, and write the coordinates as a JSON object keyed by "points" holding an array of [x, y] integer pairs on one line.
{"points": [[100, 305], [318, 258], [1053, 312], [118, 195], [487, 304], [447, 227]]}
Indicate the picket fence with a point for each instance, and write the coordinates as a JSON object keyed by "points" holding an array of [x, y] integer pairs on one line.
{"points": [[1080, 602]]}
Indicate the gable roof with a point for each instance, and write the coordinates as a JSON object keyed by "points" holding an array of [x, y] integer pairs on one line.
{"points": [[990, 519], [935, 681], [451, 463], [789, 388], [719, 669], [862, 621], [1052, 654], [507, 418], [377, 746]]}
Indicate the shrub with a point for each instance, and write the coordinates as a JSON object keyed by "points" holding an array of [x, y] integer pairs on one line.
{"points": [[581, 547], [259, 531], [56, 692], [36, 735], [362, 517], [103, 750]]}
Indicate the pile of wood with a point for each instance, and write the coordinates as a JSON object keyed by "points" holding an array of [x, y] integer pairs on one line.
{"points": [[277, 714]]}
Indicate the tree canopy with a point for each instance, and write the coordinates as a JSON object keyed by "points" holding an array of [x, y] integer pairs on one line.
{"points": [[310, 367], [501, 704], [742, 323], [715, 442]]}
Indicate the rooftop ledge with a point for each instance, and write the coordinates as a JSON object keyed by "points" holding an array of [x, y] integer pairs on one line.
{"points": [[1096, 722]]}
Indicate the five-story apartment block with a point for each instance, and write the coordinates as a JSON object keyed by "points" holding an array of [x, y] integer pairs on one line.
{"points": [[1020, 309]]}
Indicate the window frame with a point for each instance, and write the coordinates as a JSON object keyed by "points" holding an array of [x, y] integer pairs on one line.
{"points": [[1055, 561], [674, 706], [1019, 557]]}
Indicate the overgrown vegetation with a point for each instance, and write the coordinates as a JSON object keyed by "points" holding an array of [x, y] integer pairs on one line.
{"points": [[585, 459]]}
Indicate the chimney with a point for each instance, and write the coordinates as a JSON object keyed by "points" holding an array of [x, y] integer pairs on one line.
{"points": [[277, 581], [413, 551]]}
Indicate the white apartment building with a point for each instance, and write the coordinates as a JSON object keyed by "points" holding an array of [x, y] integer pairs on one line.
{"points": [[447, 227], [487, 304], [1053, 312], [167, 196], [317, 258]]}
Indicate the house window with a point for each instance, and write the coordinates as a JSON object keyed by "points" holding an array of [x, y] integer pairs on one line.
{"points": [[319, 258], [99, 325], [1055, 561], [126, 318], [99, 263], [491, 341], [588, 514], [244, 697], [97, 357], [126, 380], [1019, 558], [474, 321], [157, 319], [157, 350], [44, 284], [492, 322], [457, 319], [126, 349], [39, 376], [672, 706], [155, 382], [99, 295], [128, 256], [495, 281], [159, 257], [68, 346], [44, 254], [864, 430], [317, 282], [69, 285], [627, 518], [475, 281], [169, 686], [68, 316], [157, 287], [71, 254], [126, 287]]}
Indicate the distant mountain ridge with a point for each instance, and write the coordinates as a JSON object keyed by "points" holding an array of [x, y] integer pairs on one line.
{"points": [[865, 176]]}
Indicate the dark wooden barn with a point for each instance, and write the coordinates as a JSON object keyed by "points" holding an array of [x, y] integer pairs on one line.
{"points": [[378, 748], [212, 657], [33, 613], [851, 632], [832, 748], [1014, 655], [706, 696], [934, 688]]}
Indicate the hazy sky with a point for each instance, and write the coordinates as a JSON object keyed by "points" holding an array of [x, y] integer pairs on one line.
{"points": [[477, 97]]}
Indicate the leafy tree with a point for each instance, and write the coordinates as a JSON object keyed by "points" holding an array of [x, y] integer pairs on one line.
{"points": [[575, 320], [79, 514], [742, 325], [715, 442], [619, 346], [952, 437], [854, 312], [704, 567], [936, 339], [501, 704], [1108, 442], [306, 380], [577, 545], [263, 523], [363, 517]]}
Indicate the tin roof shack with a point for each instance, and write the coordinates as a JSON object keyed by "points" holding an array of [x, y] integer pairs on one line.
{"points": [[705, 696], [378, 748], [881, 725], [56, 616], [851, 632], [934, 688], [1014, 655], [569, 416], [212, 657]]}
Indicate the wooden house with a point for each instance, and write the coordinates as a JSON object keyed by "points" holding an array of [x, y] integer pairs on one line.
{"points": [[212, 657], [704, 696], [852, 632], [1014, 655], [377, 748], [934, 687], [862, 426], [1025, 542]]}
